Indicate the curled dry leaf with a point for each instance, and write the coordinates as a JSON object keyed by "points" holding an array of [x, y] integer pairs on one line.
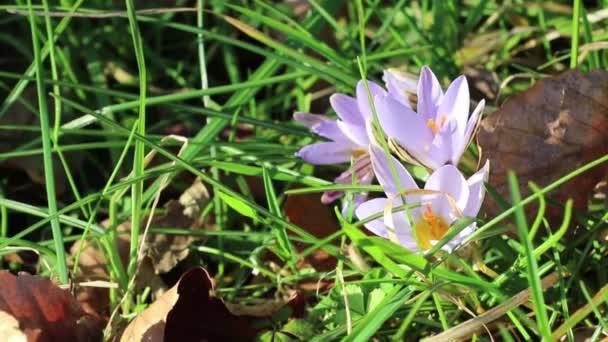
{"points": [[548, 131], [44, 311], [187, 312], [166, 250]]}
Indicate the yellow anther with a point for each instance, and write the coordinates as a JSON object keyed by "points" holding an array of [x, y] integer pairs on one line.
{"points": [[433, 126], [358, 152], [431, 227]]}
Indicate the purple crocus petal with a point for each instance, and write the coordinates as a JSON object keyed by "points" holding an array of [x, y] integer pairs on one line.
{"points": [[439, 152], [385, 177], [429, 94], [309, 120], [347, 109], [399, 86], [330, 196], [471, 124], [404, 125], [448, 179], [476, 190], [362, 168], [326, 153], [330, 130], [355, 132], [455, 105], [363, 100], [441, 207], [373, 207], [364, 175], [359, 199], [378, 226]]}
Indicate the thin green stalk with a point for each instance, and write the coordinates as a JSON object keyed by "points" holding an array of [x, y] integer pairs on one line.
{"points": [[110, 241], [201, 51], [442, 318], [217, 202], [576, 18], [362, 34], [58, 107], [138, 159], [542, 319], [594, 56], [47, 156], [400, 334]]}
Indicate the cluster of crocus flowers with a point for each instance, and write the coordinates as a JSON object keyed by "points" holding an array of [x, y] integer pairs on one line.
{"points": [[445, 198], [348, 137], [434, 135]]}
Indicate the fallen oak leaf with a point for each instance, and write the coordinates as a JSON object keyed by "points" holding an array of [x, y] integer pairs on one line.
{"points": [[166, 250], [44, 311], [547, 131]]}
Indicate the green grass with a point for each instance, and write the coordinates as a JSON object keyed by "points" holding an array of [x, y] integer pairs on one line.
{"points": [[87, 94]]}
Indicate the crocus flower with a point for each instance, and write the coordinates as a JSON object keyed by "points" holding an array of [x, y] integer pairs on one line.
{"points": [[347, 137], [400, 86], [441, 129], [446, 197]]}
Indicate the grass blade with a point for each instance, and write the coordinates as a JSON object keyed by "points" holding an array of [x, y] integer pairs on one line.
{"points": [[532, 268], [49, 177]]}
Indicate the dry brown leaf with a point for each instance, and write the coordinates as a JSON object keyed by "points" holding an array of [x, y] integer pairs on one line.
{"points": [[9, 329], [44, 311], [188, 312], [546, 132], [323, 223], [166, 250], [149, 325], [298, 209], [92, 266], [194, 199]]}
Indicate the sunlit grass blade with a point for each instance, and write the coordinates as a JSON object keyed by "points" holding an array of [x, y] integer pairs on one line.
{"points": [[532, 267], [275, 208], [137, 189], [49, 176]]}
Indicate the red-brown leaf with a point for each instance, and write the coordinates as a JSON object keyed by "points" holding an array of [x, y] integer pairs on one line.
{"points": [[44, 311], [548, 131]]}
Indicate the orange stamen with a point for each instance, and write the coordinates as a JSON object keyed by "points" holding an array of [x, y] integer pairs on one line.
{"points": [[431, 227], [433, 126]]}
